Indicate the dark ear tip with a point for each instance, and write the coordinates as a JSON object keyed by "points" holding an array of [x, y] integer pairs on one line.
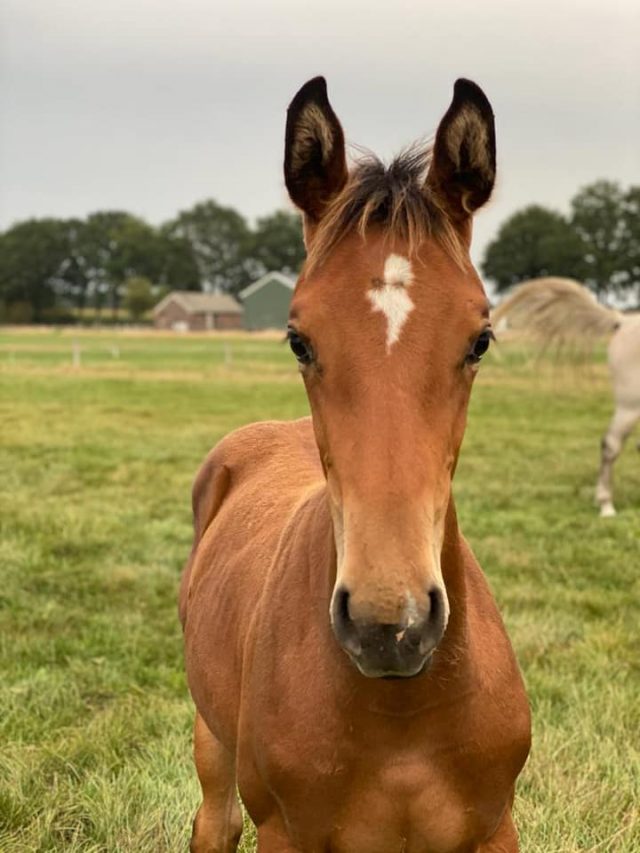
{"points": [[313, 90], [467, 90]]}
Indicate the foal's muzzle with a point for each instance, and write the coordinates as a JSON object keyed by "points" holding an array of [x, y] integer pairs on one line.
{"points": [[381, 650]]}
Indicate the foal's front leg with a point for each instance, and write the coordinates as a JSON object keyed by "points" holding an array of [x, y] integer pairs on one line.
{"points": [[273, 838], [504, 839], [218, 823]]}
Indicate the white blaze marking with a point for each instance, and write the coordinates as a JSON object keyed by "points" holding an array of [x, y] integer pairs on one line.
{"points": [[391, 297]]}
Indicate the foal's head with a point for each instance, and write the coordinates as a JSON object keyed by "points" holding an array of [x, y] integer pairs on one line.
{"points": [[388, 322]]}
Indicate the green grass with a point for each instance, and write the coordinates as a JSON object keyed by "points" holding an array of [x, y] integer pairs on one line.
{"points": [[97, 462]]}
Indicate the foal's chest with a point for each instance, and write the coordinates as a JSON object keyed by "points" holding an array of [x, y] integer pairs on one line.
{"points": [[386, 798], [416, 807]]}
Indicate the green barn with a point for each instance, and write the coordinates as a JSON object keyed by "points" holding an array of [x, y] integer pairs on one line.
{"points": [[266, 302]]}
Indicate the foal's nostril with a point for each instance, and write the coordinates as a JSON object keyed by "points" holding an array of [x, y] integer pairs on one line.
{"points": [[343, 625], [435, 622], [436, 605], [342, 605]]}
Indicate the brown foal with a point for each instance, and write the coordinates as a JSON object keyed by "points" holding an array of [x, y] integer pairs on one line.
{"points": [[351, 673]]}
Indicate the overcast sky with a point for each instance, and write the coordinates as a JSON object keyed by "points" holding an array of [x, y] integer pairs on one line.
{"points": [[151, 105]]}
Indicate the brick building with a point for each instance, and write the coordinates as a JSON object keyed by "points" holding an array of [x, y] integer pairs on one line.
{"points": [[184, 310]]}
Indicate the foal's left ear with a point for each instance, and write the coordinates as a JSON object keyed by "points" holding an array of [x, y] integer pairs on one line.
{"points": [[463, 166], [315, 163]]}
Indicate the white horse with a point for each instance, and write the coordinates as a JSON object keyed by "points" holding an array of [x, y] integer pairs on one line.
{"points": [[560, 310]]}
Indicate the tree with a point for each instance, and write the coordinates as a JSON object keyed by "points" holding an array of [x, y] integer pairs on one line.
{"points": [[73, 281], [606, 220], [277, 244], [220, 241], [138, 296], [631, 219], [533, 242], [115, 246], [179, 266], [32, 254]]}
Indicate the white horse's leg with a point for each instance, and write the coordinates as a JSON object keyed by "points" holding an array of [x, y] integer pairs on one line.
{"points": [[622, 423]]}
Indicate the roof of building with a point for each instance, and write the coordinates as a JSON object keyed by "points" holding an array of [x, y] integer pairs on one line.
{"points": [[201, 303], [261, 282]]}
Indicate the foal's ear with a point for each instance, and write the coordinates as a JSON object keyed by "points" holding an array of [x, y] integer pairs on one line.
{"points": [[315, 164], [463, 167]]}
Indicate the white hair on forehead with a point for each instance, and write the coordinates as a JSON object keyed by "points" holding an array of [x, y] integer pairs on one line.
{"points": [[398, 270], [390, 296]]}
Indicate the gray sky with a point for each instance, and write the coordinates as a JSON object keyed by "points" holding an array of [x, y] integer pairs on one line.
{"points": [[151, 105]]}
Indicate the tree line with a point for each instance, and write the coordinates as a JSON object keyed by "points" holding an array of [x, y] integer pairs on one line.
{"points": [[598, 243], [52, 269]]}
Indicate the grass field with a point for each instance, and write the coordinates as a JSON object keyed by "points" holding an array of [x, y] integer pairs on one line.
{"points": [[97, 461]]}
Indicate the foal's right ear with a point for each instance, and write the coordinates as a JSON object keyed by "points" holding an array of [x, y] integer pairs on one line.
{"points": [[315, 163]]}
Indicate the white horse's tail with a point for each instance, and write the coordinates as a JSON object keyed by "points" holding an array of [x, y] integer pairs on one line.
{"points": [[556, 311]]}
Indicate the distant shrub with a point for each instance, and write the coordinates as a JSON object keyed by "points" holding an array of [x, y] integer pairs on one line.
{"points": [[16, 313], [58, 315]]}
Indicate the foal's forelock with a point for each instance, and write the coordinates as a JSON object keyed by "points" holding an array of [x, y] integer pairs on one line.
{"points": [[396, 198]]}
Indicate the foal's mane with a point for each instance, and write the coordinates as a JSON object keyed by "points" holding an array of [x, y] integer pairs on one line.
{"points": [[394, 197]]}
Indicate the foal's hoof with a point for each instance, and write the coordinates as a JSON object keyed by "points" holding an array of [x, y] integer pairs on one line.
{"points": [[607, 510]]}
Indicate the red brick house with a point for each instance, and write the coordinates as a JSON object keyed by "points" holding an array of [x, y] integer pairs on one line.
{"points": [[184, 310]]}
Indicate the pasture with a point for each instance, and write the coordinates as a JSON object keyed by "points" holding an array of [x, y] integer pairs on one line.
{"points": [[97, 461]]}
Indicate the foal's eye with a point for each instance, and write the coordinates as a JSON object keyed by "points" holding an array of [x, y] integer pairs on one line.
{"points": [[480, 346], [299, 347]]}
